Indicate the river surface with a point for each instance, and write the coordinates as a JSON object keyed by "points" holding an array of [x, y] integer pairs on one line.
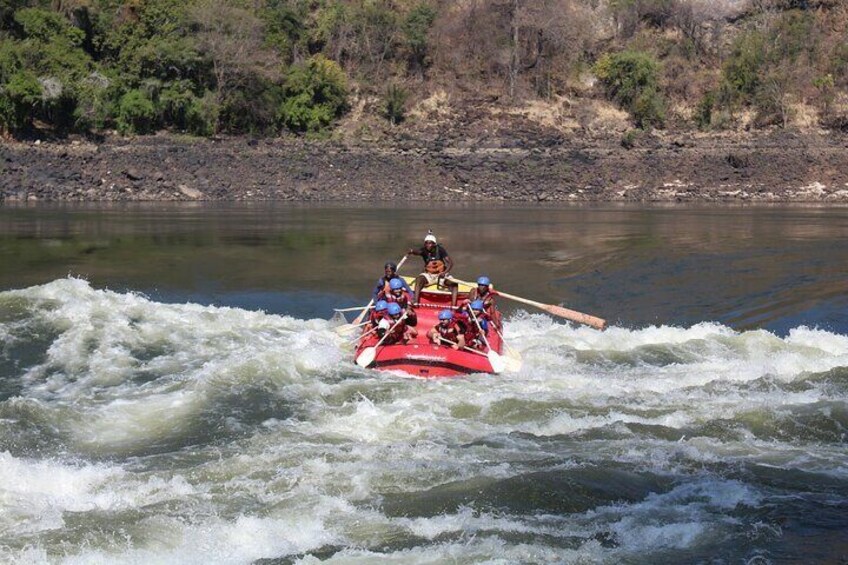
{"points": [[171, 390]]}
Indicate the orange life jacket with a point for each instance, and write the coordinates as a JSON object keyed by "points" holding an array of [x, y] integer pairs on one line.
{"points": [[435, 267]]}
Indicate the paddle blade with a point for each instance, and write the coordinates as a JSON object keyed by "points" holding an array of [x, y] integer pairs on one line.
{"points": [[497, 362], [366, 357], [345, 329], [512, 360]]}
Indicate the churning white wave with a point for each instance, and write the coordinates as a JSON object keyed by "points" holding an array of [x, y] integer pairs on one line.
{"points": [[179, 433]]}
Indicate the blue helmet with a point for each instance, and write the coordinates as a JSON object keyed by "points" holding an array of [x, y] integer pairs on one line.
{"points": [[381, 305], [395, 284], [446, 315], [484, 281], [477, 305], [394, 309]]}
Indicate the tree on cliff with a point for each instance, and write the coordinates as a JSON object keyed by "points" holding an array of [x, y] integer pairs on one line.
{"points": [[315, 95], [206, 66], [232, 36]]}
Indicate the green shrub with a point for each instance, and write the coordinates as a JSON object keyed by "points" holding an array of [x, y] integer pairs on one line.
{"points": [[631, 79], [792, 36], [169, 59], [743, 69], [202, 115], [330, 26], [772, 101], [415, 28], [837, 64], [18, 101], [826, 94], [46, 26], [395, 108], [704, 110], [315, 94], [136, 113], [253, 108], [285, 27], [174, 101], [10, 59], [630, 137], [649, 110], [94, 104]]}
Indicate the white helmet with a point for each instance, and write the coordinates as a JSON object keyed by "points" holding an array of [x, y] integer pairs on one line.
{"points": [[430, 237]]}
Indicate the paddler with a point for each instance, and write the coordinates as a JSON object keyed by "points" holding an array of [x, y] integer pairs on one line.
{"points": [[437, 268], [472, 334], [485, 291], [390, 270], [448, 331], [377, 314], [398, 294], [399, 332]]}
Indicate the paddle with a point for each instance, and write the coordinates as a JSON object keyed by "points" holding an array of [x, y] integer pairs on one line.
{"points": [[364, 310], [366, 334], [345, 328], [512, 357], [370, 353], [498, 364], [566, 313], [349, 328]]}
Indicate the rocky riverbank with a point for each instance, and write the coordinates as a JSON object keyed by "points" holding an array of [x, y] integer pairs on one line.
{"points": [[528, 166]]}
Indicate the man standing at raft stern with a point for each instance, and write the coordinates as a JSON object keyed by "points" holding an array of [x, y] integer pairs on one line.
{"points": [[437, 267]]}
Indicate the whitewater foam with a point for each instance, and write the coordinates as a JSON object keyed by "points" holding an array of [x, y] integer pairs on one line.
{"points": [[225, 436]]}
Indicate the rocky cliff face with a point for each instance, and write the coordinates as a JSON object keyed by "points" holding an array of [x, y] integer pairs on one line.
{"points": [[528, 164]]}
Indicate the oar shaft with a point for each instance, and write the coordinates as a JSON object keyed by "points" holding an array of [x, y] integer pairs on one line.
{"points": [[503, 341], [479, 328], [566, 313], [361, 315], [466, 348], [361, 336]]}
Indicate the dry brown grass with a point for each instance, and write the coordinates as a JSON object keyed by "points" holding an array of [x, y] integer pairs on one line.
{"points": [[603, 116], [557, 113], [804, 116], [437, 107]]}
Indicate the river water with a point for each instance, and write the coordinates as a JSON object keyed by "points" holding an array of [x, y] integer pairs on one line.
{"points": [[172, 392]]}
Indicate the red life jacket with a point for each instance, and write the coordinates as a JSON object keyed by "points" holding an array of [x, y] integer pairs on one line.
{"points": [[452, 331], [375, 318], [488, 298], [402, 300], [472, 333], [396, 335]]}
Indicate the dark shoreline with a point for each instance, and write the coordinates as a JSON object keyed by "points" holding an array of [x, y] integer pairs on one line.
{"points": [[780, 166]]}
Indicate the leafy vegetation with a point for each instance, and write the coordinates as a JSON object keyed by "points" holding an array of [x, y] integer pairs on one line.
{"points": [[315, 95], [632, 80], [231, 66], [396, 97]]}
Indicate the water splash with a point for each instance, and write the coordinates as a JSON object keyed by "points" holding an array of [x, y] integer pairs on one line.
{"points": [[135, 431]]}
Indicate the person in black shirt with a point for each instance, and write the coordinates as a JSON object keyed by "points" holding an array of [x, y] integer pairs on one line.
{"points": [[383, 282], [437, 268]]}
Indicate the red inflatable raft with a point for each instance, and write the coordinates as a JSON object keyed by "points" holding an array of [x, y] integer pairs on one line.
{"points": [[421, 358]]}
